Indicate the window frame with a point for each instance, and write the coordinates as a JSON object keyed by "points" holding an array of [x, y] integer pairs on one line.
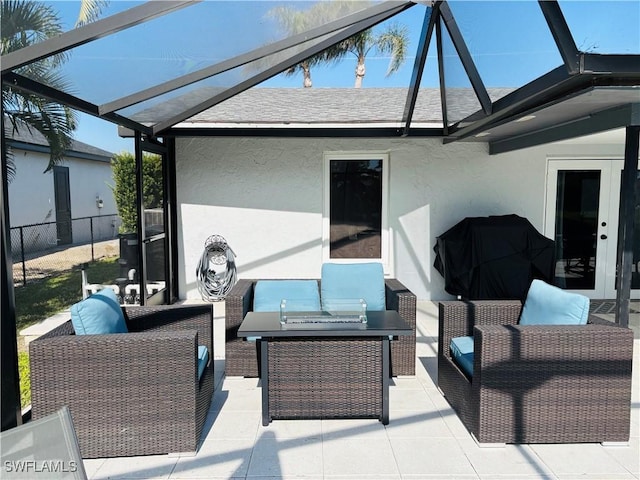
{"points": [[385, 237]]}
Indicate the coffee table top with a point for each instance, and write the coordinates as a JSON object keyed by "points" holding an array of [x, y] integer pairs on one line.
{"points": [[267, 324]]}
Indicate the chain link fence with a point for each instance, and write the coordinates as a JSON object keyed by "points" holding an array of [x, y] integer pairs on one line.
{"points": [[44, 249]]}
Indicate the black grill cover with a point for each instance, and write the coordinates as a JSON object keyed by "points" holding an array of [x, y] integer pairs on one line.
{"points": [[496, 257]]}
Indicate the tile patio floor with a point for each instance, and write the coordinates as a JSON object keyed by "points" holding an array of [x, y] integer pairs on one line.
{"points": [[424, 439]]}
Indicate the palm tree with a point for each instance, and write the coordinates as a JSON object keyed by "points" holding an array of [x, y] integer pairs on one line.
{"points": [[294, 21], [24, 23], [297, 21], [393, 41]]}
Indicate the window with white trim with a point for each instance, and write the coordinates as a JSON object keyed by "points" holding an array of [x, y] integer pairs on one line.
{"points": [[355, 207]]}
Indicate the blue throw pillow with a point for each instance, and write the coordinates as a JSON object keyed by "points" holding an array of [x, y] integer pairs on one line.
{"points": [[341, 281], [462, 353], [301, 295], [549, 305], [97, 314]]}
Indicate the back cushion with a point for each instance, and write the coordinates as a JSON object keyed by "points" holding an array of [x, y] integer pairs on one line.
{"points": [[352, 281], [303, 294], [97, 314], [549, 305]]}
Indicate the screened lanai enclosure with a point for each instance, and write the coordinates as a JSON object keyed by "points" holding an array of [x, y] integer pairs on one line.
{"points": [[508, 74]]}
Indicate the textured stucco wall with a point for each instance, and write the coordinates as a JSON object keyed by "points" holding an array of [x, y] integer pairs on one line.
{"points": [[32, 197], [265, 196]]}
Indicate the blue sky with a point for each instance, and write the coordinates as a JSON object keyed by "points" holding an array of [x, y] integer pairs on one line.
{"points": [[509, 42]]}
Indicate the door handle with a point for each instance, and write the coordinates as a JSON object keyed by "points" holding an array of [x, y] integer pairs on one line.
{"points": [[603, 237]]}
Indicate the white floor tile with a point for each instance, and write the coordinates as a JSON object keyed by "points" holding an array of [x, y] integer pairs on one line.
{"points": [[91, 465], [222, 458], [362, 429], [363, 476], [237, 399], [286, 457], [417, 424], [627, 456], [292, 429], [357, 456], [147, 467], [596, 476], [509, 460], [235, 424], [406, 382], [578, 459], [430, 456], [402, 399]]}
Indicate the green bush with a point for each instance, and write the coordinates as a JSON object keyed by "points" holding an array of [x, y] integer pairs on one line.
{"points": [[25, 379], [124, 188]]}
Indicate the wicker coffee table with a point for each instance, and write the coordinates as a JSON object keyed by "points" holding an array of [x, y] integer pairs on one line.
{"points": [[324, 370]]}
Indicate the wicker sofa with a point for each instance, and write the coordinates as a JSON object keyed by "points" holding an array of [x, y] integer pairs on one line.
{"points": [[241, 356], [133, 393], [534, 383]]}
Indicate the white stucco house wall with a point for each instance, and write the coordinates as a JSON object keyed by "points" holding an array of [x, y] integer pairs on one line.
{"points": [[86, 176], [267, 196]]}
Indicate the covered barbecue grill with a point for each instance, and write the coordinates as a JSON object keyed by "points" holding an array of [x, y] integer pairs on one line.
{"points": [[495, 257]]}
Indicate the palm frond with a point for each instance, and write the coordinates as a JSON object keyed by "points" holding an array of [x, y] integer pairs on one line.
{"points": [[395, 41], [90, 11], [25, 23]]}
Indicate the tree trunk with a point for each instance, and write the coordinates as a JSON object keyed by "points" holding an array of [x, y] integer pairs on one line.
{"points": [[306, 73], [360, 72]]}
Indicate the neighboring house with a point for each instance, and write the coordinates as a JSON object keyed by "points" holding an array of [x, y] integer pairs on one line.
{"points": [[79, 187], [272, 198]]}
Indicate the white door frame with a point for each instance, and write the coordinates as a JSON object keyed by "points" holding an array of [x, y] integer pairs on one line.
{"points": [[608, 212], [386, 248]]}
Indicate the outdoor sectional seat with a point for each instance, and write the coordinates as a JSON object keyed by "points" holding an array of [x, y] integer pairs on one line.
{"points": [[241, 358], [134, 393], [536, 383]]}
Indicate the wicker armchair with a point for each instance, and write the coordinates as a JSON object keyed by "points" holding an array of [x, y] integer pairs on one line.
{"points": [[241, 356], [133, 393], [535, 383]]}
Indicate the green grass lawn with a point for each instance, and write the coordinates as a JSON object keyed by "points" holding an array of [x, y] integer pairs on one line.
{"points": [[25, 379], [39, 300]]}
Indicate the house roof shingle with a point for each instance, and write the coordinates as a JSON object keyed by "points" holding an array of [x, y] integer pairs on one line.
{"points": [[25, 137], [326, 106]]}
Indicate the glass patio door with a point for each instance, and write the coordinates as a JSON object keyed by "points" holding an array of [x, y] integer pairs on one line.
{"points": [[583, 199]]}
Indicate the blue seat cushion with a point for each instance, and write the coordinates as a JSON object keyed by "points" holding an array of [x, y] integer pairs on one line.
{"points": [[353, 281], [97, 314], [550, 305], [203, 359], [301, 295], [462, 353]]}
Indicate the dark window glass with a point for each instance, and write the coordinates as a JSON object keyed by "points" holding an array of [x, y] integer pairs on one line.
{"points": [[577, 204], [355, 209]]}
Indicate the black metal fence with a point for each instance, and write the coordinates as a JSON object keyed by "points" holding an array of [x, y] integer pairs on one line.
{"points": [[42, 250]]}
